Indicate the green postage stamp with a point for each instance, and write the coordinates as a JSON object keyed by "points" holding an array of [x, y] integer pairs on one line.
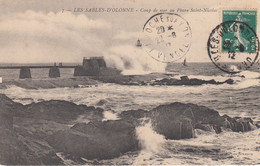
{"points": [[233, 46], [239, 40]]}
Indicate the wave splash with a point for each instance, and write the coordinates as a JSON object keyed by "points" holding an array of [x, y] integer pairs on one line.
{"points": [[149, 139], [151, 143], [132, 60]]}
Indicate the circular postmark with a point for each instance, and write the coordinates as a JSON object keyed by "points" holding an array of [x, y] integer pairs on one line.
{"points": [[233, 46], [167, 37]]}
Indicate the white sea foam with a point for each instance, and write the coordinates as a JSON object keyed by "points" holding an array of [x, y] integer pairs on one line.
{"points": [[249, 74], [132, 60], [151, 143], [234, 148], [120, 97], [242, 80], [234, 68], [149, 139], [108, 115], [246, 83]]}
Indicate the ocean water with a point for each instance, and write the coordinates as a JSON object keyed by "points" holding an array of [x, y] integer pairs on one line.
{"points": [[240, 99]]}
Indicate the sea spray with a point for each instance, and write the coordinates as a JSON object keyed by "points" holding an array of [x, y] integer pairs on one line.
{"points": [[249, 79], [132, 60], [249, 74], [246, 83], [109, 116], [150, 141]]}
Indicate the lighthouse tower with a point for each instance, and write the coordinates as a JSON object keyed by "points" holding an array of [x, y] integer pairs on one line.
{"points": [[138, 43]]}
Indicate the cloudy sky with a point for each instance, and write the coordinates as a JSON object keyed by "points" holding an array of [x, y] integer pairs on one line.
{"points": [[35, 31]]}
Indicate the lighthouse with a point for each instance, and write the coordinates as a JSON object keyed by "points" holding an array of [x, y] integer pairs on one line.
{"points": [[138, 43]]}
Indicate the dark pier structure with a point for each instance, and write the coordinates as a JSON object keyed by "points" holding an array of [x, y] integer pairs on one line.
{"points": [[94, 66]]}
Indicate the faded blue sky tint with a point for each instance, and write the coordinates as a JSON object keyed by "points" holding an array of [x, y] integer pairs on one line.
{"points": [[33, 31]]}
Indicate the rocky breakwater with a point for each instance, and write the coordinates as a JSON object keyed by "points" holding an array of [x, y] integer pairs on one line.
{"points": [[158, 79], [185, 80]]}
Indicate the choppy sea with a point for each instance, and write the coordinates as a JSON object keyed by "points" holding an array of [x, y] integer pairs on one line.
{"points": [[240, 99]]}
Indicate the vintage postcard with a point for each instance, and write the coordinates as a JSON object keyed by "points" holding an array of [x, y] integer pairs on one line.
{"points": [[129, 82]]}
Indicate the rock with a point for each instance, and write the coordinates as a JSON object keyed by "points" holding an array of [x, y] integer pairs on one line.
{"points": [[135, 117], [6, 119], [6, 104], [212, 81], [180, 128], [18, 150], [166, 81], [217, 128], [101, 102], [8, 109], [185, 78], [195, 81], [209, 127], [32, 134], [60, 111], [204, 127], [24, 129], [238, 124], [186, 81], [229, 81], [157, 79], [12, 151], [136, 114], [200, 114], [15, 147], [171, 122], [97, 140], [178, 120]]}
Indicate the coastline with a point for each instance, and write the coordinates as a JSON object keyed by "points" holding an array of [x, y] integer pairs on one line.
{"points": [[52, 127], [153, 79]]}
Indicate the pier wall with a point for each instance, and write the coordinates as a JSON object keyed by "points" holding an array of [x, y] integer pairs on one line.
{"points": [[25, 72], [94, 66], [54, 72]]}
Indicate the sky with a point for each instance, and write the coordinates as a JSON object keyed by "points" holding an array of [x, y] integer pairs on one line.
{"points": [[36, 31]]}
